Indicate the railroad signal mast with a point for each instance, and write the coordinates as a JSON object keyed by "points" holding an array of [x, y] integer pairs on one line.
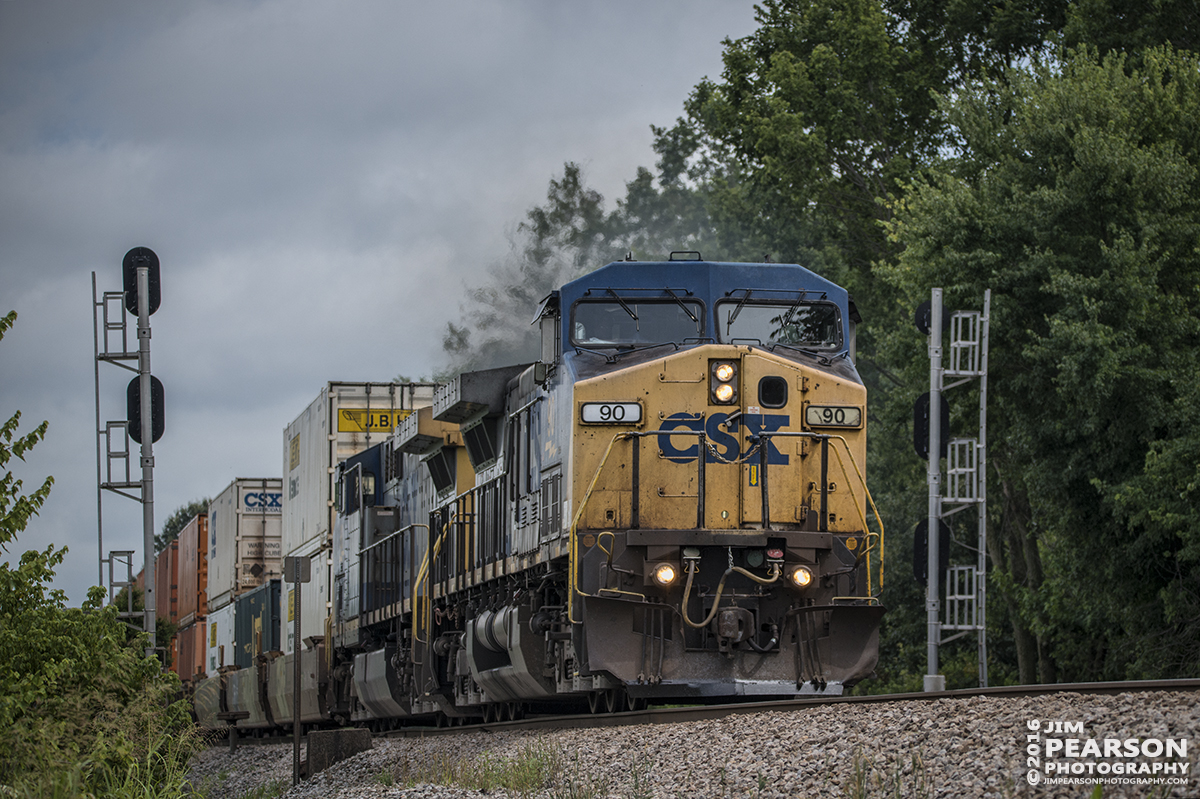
{"points": [[144, 419], [966, 480]]}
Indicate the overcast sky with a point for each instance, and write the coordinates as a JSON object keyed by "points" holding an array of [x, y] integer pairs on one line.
{"points": [[319, 179]]}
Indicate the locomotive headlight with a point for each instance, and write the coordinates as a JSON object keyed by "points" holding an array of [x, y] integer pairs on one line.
{"points": [[722, 383], [801, 577], [664, 574]]}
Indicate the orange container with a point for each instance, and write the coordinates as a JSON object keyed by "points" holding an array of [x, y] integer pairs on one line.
{"points": [[166, 583], [193, 572], [189, 664]]}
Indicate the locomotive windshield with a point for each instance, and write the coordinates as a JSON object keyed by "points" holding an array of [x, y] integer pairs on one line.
{"points": [[635, 323], [811, 325]]}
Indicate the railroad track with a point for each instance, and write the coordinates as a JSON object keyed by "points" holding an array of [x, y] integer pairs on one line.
{"points": [[675, 715]]}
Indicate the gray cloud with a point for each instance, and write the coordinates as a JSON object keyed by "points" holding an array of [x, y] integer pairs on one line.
{"points": [[320, 181]]}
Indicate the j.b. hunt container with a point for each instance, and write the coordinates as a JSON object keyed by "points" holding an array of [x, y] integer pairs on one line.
{"points": [[244, 533], [343, 420]]}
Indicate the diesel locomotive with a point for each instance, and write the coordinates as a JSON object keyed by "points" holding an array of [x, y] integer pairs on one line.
{"points": [[670, 505]]}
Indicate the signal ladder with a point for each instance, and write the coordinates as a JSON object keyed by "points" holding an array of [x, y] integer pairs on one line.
{"points": [[966, 484]]}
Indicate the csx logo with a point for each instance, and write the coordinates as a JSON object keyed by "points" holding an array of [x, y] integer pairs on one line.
{"points": [[720, 432], [262, 499]]}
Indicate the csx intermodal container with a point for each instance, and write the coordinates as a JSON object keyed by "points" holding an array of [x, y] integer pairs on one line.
{"points": [[244, 538], [256, 624], [191, 642], [193, 573], [343, 420], [166, 583]]}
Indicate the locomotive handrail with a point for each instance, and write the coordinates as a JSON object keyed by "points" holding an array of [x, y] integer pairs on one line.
{"points": [[867, 533], [370, 600], [872, 540], [573, 545], [423, 574]]}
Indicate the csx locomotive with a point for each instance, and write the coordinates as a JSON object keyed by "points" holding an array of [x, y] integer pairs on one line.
{"points": [[668, 506]]}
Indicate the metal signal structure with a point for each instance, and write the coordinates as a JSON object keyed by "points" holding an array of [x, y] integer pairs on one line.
{"points": [[144, 417], [966, 483]]}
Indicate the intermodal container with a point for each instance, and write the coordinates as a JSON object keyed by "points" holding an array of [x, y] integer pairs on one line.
{"points": [[166, 583], [314, 599], [193, 572], [191, 646], [344, 419], [244, 538], [256, 624], [220, 645]]}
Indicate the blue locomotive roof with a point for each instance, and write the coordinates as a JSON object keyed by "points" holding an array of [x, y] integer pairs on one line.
{"points": [[709, 282]]}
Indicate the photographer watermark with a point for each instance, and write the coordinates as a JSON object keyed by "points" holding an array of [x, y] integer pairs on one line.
{"points": [[1060, 753]]}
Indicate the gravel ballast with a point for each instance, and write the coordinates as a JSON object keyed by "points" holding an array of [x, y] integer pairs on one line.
{"points": [[955, 747]]}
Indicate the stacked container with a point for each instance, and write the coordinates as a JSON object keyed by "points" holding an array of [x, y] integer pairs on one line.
{"points": [[344, 419], [192, 598], [220, 646], [166, 596], [256, 624], [244, 538], [166, 583]]}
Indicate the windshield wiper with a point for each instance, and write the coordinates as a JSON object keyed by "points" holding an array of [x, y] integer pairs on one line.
{"points": [[736, 311], [628, 310], [682, 305], [643, 349], [824, 359]]}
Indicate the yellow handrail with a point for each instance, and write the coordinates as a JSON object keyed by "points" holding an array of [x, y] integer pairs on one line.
{"points": [[867, 534], [423, 574], [573, 545]]}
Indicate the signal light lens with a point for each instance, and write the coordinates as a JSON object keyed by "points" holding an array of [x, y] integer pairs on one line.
{"points": [[801, 577], [665, 574], [724, 372], [723, 392]]}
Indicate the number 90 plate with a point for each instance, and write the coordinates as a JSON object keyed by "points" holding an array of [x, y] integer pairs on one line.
{"points": [[833, 416], [610, 413]]}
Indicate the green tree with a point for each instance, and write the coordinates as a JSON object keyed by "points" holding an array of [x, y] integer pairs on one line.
{"points": [[81, 711], [178, 520], [16, 509], [1076, 198]]}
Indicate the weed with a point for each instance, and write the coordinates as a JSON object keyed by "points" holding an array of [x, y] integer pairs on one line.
{"points": [[869, 779], [577, 785]]}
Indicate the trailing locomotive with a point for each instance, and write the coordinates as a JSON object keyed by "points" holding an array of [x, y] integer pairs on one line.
{"points": [[669, 505]]}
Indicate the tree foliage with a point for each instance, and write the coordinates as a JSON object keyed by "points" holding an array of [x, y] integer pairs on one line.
{"points": [[16, 509], [178, 520], [1045, 149], [1076, 198], [81, 708]]}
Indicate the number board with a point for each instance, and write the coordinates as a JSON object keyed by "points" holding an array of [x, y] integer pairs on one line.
{"points": [[610, 413], [833, 416]]}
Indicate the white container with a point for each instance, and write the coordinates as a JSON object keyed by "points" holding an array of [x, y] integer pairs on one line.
{"points": [[220, 638], [314, 598], [344, 419], [245, 524]]}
